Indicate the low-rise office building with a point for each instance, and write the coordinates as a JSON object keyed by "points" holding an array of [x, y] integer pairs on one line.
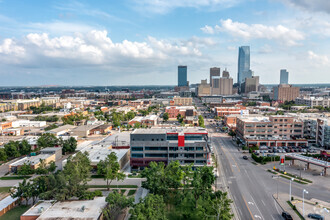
{"points": [[323, 133], [275, 130], [148, 121], [33, 161], [186, 145], [312, 101], [222, 111], [174, 111], [71, 209]]}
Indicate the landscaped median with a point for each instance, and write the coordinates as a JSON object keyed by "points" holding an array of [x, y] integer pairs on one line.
{"points": [[289, 176], [113, 186], [295, 210], [15, 177]]}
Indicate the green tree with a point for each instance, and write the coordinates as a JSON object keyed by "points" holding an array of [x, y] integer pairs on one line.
{"points": [[47, 140], [137, 125], [110, 168], [23, 191], [3, 155], [24, 147], [129, 116], [52, 167], [11, 149], [116, 204], [201, 121], [76, 173], [155, 175], [25, 169], [202, 182], [151, 207], [42, 169], [69, 145], [180, 118], [165, 116]]}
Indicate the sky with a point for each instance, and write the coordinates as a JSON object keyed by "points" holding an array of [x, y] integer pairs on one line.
{"points": [[141, 42]]}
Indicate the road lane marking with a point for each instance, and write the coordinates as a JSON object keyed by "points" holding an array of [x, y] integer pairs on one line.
{"points": [[224, 151], [247, 207], [257, 207]]}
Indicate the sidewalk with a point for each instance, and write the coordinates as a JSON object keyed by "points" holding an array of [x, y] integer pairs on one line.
{"points": [[282, 202], [310, 206]]}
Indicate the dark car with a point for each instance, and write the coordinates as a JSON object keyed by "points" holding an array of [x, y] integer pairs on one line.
{"points": [[245, 157], [286, 216], [315, 216]]}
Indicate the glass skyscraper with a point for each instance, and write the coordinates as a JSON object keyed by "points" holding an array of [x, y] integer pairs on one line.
{"points": [[182, 76], [243, 64], [284, 77]]}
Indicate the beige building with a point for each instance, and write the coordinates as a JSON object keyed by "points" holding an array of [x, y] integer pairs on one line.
{"points": [[186, 101], [226, 86], [285, 92], [251, 84], [214, 71], [204, 89], [276, 130]]}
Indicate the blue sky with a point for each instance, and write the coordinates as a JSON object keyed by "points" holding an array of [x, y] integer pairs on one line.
{"points": [[137, 42]]}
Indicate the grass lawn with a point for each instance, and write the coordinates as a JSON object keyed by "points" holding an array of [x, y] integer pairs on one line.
{"points": [[131, 192], [4, 189], [15, 213], [112, 186], [14, 177]]}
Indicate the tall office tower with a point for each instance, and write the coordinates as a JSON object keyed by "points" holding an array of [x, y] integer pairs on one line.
{"points": [[225, 73], [182, 76], [243, 64], [215, 71], [251, 84], [226, 85], [284, 77]]}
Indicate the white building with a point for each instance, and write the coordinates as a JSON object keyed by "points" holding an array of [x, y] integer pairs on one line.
{"points": [[27, 123]]}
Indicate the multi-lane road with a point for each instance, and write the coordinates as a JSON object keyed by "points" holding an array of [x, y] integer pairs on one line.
{"points": [[250, 186]]}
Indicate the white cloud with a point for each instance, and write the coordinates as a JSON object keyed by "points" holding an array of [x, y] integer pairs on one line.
{"points": [[318, 59], [164, 6], [311, 5], [207, 29], [93, 48], [279, 33]]}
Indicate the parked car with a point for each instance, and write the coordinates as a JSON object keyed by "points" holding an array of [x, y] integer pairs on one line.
{"points": [[286, 216], [245, 157], [315, 216]]}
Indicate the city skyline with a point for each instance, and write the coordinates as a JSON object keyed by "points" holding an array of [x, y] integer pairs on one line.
{"points": [[142, 42]]}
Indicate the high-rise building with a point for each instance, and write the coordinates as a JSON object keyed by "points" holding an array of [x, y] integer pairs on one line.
{"points": [[182, 76], [226, 86], [284, 92], [222, 85], [243, 64], [214, 71], [251, 84], [225, 73], [204, 88], [284, 77]]}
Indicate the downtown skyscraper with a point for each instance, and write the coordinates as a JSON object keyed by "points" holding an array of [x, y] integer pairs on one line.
{"points": [[284, 77], [243, 64], [182, 76]]}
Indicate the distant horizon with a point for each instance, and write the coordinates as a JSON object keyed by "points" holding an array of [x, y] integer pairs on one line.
{"points": [[139, 42], [149, 85]]}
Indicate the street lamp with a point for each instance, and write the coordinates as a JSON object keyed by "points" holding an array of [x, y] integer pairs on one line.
{"points": [[304, 191], [292, 179], [276, 177]]}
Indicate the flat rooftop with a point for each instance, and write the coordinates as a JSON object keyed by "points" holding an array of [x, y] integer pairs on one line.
{"points": [[70, 210], [164, 130], [39, 208], [62, 128], [259, 118], [31, 160]]}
